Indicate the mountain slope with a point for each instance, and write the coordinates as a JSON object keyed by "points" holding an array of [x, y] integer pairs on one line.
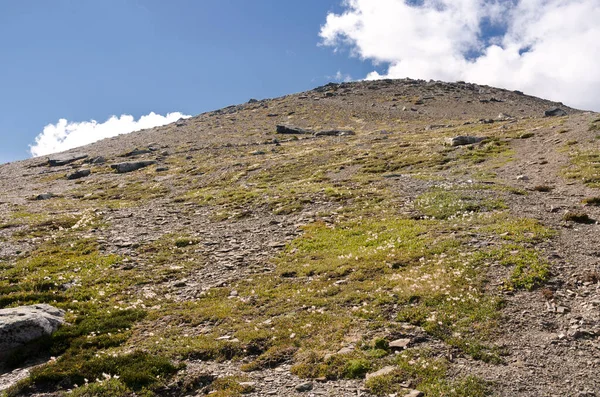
{"points": [[242, 260]]}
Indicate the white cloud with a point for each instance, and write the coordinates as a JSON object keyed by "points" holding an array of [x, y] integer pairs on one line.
{"points": [[548, 48], [339, 76], [66, 135]]}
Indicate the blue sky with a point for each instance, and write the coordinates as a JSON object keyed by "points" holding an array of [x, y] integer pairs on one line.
{"points": [[90, 59], [64, 63]]}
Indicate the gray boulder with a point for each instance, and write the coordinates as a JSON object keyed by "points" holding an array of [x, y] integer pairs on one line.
{"points": [[122, 168], [334, 133], [23, 324], [464, 140], [79, 174], [289, 129], [44, 196], [65, 159], [555, 112]]}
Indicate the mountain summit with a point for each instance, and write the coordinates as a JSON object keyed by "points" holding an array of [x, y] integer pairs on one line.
{"points": [[376, 238]]}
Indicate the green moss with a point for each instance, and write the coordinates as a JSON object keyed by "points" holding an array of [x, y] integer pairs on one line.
{"points": [[230, 386], [333, 367], [445, 204], [428, 374], [529, 269], [578, 217], [585, 166], [591, 201], [136, 370], [111, 387]]}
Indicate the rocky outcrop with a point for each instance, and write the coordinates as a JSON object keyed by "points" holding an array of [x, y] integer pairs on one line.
{"points": [[290, 129], [464, 140], [334, 133], [555, 112], [21, 325], [65, 159], [122, 168], [79, 174]]}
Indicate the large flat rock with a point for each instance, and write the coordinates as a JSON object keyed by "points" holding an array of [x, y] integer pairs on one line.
{"points": [[21, 325]]}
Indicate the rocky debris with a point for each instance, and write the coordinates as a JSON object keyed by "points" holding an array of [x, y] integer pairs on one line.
{"points": [[346, 350], [44, 196], [122, 168], [138, 152], [464, 140], [382, 372], [304, 387], [334, 133], [65, 159], [289, 129], [437, 126], [400, 343], [21, 325], [79, 174], [414, 393], [555, 112], [504, 117], [522, 178], [96, 160], [181, 122]]}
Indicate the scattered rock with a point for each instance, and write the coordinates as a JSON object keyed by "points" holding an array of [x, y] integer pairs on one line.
{"points": [[555, 112], [131, 166], [289, 129], [96, 160], [162, 169], [334, 133], [137, 152], [578, 217], [23, 324], [504, 117], [464, 140], [79, 174], [65, 159], [383, 371], [522, 178], [304, 387], [414, 393], [44, 196], [345, 350], [561, 309], [400, 343]]}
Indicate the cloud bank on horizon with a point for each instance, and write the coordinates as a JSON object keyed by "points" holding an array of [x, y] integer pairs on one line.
{"points": [[66, 135], [547, 48]]}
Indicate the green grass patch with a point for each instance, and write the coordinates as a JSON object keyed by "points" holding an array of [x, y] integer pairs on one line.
{"points": [[442, 204], [529, 269], [591, 201], [585, 166]]}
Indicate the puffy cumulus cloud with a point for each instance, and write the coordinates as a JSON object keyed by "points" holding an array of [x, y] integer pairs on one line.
{"points": [[548, 48], [341, 77], [66, 135]]}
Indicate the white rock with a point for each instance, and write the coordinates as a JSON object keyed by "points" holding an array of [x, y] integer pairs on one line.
{"points": [[383, 371], [20, 325], [400, 344]]}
